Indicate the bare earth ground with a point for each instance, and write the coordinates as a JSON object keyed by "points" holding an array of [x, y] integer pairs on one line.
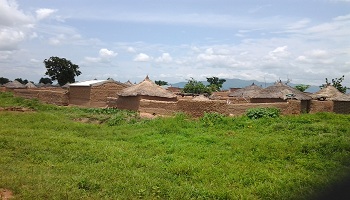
{"points": [[16, 109], [5, 194]]}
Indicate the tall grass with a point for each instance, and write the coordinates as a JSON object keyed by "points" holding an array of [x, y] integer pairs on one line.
{"points": [[48, 155]]}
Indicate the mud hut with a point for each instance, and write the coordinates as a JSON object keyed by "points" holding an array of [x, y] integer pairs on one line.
{"points": [[129, 98], [341, 102], [94, 93], [280, 92], [30, 85], [247, 92], [11, 86]]}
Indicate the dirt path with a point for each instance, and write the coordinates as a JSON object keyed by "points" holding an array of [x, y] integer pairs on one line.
{"points": [[5, 194]]}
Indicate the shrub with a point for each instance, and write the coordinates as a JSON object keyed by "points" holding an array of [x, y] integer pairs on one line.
{"points": [[212, 118], [256, 113]]}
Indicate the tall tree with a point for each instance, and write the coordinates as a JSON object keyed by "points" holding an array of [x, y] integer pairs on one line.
{"points": [[61, 69], [215, 83], [4, 80], [45, 80], [337, 83], [196, 87], [160, 83]]}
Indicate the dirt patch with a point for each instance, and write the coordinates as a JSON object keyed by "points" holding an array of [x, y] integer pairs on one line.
{"points": [[147, 115], [6, 194], [17, 109]]}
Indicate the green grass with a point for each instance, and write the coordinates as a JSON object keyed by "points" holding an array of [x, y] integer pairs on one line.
{"points": [[47, 154]]}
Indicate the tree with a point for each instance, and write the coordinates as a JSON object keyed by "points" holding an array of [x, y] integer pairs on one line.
{"points": [[45, 80], [337, 83], [196, 87], [160, 83], [25, 81], [302, 87], [61, 69], [4, 80], [215, 83]]}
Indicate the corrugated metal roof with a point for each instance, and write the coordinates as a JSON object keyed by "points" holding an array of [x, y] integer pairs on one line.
{"points": [[88, 83]]}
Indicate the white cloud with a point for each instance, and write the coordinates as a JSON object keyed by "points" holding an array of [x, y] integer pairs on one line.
{"points": [[43, 13], [131, 50], [104, 55], [10, 15], [165, 58], [141, 57]]}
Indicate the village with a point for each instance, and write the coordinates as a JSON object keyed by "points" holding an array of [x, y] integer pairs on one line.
{"points": [[148, 97]]}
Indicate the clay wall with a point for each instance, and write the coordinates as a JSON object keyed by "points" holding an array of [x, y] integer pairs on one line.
{"points": [[321, 106], [79, 95], [287, 108], [266, 100], [341, 107], [128, 103], [57, 97], [197, 108], [158, 107], [99, 93]]}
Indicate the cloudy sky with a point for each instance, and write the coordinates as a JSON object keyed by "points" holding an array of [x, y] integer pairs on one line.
{"points": [[265, 40]]}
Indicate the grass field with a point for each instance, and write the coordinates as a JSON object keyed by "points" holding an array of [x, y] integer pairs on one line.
{"points": [[49, 153]]}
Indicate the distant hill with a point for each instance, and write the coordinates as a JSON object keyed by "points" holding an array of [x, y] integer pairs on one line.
{"points": [[239, 83]]}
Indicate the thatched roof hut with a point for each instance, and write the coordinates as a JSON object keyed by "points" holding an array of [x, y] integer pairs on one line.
{"points": [[246, 92], [14, 85], [30, 85], [330, 93], [128, 83], [279, 92], [147, 88]]}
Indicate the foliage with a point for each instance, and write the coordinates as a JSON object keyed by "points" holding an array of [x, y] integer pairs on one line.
{"points": [[196, 87], [160, 83], [302, 87], [61, 69], [209, 119], [256, 113], [337, 83], [215, 83], [25, 81], [4, 80], [45, 80]]}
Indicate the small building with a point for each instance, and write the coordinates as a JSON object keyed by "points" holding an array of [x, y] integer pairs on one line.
{"points": [[280, 92], [246, 93], [11, 86], [129, 98], [94, 93], [30, 85]]}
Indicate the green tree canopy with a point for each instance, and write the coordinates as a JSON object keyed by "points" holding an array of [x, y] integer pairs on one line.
{"points": [[196, 87], [4, 80], [45, 80], [25, 81], [302, 87], [337, 83], [61, 69], [215, 83], [160, 83]]}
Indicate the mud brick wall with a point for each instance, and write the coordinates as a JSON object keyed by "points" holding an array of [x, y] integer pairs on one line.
{"points": [[321, 106], [99, 93], [25, 93], [158, 107], [128, 103], [197, 108], [57, 97], [341, 107], [79, 95], [2, 89]]}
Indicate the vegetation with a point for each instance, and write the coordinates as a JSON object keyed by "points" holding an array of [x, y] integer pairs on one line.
{"points": [[45, 80], [302, 87], [196, 87], [337, 83], [4, 80], [61, 69], [257, 113], [160, 83], [215, 83], [49, 154]]}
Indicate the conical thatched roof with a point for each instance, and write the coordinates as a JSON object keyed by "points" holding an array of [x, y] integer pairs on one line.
{"points": [[14, 84], [128, 83], [281, 91], [200, 98], [147, 88], [330, 93], [248, 91], [30, 85]]}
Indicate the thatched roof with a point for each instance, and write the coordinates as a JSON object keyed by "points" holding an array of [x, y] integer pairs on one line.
{"points": [[94, 83], [200, 98], [30, 85], [128, 83], [14, 84], [248, 91], [330, 93], [147, 88], [281, 91]]}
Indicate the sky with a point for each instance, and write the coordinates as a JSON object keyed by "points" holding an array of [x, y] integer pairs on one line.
{"points": [[304, 41]]}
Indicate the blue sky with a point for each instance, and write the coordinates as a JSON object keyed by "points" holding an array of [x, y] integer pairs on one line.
{"points": [[265, 40]]}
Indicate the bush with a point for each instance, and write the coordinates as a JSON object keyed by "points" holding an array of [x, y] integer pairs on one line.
{"points": [[212, 118], [256, 113]]}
